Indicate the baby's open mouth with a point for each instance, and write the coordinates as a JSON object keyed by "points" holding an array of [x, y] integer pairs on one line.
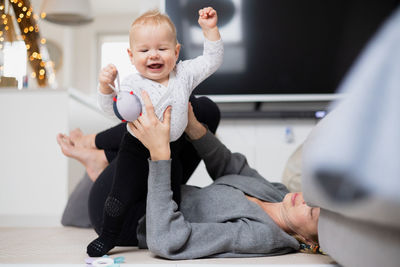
{"points": [[155, 66]]}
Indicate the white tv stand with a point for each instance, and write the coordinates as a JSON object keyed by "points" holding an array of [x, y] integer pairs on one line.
{"points": [[274, 98], [274, 106]]}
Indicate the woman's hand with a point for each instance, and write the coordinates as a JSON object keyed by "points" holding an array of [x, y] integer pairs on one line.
{"points": [[195, 130], [153, 133]]}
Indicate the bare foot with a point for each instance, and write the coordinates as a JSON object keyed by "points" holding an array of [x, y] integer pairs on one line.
{"points": [[94, 160], [80, 140], [76, 134], [66, 144]]}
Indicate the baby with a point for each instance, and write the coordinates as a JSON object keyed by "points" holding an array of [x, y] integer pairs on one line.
{"points": [[153, 51]]}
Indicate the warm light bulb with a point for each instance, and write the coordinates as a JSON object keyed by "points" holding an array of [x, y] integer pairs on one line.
{"points": [[28, 46], [33, 75], [43, 15], [26, 30], [31, 28], [24, 9], [21, 15], [41, 72], [19, 20], [43, 41]]}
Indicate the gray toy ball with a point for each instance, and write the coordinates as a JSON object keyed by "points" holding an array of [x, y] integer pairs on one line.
{"points": [[127, 106]]}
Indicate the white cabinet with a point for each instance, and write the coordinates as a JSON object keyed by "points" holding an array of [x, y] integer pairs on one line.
{"points": [[33, 173]]}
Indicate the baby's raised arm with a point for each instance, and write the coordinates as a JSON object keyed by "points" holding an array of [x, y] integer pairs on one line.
{"points": [[208, 22]]}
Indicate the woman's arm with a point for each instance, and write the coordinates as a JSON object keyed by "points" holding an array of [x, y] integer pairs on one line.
{"points": [[219, 160], [170, 235]]}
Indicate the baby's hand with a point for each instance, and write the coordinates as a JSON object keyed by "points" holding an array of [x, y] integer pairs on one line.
{"points": [[208, 18], [107, 76]]}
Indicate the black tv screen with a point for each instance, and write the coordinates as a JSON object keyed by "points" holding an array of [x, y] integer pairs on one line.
{"points": [[280, 46]]}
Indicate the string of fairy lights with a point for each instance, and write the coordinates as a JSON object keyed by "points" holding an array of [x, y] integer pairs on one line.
{"points": [[27, 22]]}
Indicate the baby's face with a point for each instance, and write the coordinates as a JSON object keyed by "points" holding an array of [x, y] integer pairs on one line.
{"points": [[154, 51]]}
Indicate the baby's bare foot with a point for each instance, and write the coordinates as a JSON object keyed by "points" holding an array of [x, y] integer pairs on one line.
{"points": [[94, 160]]}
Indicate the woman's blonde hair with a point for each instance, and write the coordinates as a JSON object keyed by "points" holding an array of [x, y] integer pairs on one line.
{"points": [[152, 17], [309, 248]]}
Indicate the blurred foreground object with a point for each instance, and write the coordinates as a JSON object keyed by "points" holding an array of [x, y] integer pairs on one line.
{"points": [[351, 165]]}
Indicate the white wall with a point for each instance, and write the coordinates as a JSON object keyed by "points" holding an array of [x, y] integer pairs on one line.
{"points": [[262, 141], [33, 177], [85, 58]]}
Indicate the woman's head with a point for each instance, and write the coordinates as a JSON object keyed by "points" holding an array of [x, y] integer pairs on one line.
{"points": [[300, 218]]}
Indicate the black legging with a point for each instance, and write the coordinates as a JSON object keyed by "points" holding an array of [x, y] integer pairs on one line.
{"points": [[109, 140]]}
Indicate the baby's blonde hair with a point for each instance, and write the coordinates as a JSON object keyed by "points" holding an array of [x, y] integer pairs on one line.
{"points": [[155, 18]]}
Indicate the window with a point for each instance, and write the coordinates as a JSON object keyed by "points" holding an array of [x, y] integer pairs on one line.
{"points": [[14, 56], [113, 50]]}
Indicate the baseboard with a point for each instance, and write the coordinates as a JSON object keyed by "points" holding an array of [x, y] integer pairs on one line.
{"points": [[11, 220]]}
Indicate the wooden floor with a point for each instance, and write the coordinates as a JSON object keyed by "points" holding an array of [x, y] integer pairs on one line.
{"points": [[67, 245]]}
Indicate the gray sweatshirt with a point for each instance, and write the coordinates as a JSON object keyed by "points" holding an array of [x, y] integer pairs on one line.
{"points": [[217, 220]]}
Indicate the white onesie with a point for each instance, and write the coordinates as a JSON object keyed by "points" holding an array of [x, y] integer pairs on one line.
{"points": [[182, 80]]}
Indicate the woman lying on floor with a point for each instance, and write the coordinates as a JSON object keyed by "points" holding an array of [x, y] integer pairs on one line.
{"points": [[240, 214]]}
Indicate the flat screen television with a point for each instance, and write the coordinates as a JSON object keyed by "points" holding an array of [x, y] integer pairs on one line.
{"points": [[280, 47]]}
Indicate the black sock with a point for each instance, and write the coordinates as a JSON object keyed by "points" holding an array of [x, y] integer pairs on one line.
{"points": [[114, 211]]}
